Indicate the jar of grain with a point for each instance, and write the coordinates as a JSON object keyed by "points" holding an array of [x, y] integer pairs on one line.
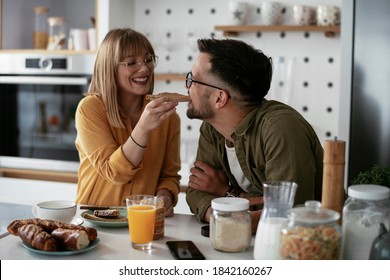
{"points": [[40, 27], [230, 224], [312, 233]]}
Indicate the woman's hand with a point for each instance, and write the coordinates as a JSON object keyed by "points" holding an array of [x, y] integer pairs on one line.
{"points": [[155, 112], [167, 198]]}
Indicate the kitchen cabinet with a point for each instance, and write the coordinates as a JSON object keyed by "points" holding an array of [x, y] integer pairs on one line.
{"points": [[17, 21], [234, 30]]}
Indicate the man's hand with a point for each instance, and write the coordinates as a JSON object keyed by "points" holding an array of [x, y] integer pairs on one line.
{"points": [[206, 178]]}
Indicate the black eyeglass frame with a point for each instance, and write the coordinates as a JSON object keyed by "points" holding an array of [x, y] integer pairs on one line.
{"points": [[190, 80]]}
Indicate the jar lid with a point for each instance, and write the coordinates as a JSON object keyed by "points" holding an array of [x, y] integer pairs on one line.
{"points": [[312, 213], [369, 192], [41, 10], [55, 21], [230, 204]]}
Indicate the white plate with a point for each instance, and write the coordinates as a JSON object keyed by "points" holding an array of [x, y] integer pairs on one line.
{"points": [[109, 222], [90, 247]]}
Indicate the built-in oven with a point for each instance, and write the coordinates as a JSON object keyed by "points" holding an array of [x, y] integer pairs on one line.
{"points": [[38, 98]]}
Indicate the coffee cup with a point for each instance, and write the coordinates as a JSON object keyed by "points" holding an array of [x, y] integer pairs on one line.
{"points": [[59, 210]]}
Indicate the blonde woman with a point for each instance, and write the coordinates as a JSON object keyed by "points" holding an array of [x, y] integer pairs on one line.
{"points": [[127, 145]]}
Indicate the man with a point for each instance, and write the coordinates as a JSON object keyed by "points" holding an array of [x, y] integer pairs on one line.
{"points": [[245, 139]]}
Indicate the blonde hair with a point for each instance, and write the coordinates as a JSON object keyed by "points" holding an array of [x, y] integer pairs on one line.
{"points": [[117, 45]]}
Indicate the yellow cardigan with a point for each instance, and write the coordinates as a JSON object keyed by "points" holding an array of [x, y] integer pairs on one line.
{"points": [[105, 176]]}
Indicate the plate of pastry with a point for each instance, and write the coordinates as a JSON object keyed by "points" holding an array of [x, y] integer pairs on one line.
{"points": [[106, 218], [56, 238], [92, 245]]}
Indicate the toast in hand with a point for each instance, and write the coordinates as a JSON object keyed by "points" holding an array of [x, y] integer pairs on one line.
{"points": [[171, 95]]}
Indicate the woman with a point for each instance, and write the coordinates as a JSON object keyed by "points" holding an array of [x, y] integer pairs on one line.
{"points": [[126, 145]]}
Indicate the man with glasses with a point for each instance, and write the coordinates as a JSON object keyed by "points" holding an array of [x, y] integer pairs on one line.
{"points": [[245, 139]]}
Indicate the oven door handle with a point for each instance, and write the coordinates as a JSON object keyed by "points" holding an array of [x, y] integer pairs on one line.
{"points": [[44, 80]]}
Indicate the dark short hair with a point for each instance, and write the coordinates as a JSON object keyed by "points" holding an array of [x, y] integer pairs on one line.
{"points": [[241, 66]]}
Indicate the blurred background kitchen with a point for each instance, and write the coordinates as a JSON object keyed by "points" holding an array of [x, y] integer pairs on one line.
{"points": [[335, 76]]}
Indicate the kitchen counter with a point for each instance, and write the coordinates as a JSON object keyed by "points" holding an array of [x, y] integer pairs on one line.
{"points": [[18, 195]]}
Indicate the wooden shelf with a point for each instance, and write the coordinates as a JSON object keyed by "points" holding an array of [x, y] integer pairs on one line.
{"points": [[234, 30], [43, 51], [170, 77]]}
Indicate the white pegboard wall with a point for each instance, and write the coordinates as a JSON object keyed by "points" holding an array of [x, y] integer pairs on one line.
{"points": [[306, 65]]}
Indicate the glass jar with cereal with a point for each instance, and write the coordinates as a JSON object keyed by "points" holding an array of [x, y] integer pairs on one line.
{"points": [[312, 233]]}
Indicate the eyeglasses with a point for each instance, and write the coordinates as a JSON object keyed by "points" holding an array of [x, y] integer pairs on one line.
{"points": [[190, 80], [150, 62]]}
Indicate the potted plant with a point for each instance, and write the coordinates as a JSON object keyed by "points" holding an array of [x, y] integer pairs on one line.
{"points": [[377, 175]]}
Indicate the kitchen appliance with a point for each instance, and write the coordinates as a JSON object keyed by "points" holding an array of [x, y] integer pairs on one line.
{"points": [[370, 88], [39, 96]]}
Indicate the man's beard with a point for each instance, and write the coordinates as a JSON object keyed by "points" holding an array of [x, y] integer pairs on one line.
{"points": [[203, 113]]}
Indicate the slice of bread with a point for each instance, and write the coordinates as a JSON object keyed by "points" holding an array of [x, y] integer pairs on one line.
{"points": [[171, 95], [108, 213]]}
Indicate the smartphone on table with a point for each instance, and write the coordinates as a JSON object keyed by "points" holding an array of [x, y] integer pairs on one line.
{"points": [[185, 250]]}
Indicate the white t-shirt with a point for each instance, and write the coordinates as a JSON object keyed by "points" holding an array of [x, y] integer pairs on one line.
{"points": [[236, 170]]}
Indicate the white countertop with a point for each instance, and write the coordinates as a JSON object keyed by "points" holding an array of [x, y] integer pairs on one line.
{"points": [[114, 242]]}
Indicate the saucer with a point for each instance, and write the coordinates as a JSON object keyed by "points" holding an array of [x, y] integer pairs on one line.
{"points": [[77, 221]]}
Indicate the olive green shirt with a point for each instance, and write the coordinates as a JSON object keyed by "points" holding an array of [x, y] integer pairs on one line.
{"points": [[273, 142]]}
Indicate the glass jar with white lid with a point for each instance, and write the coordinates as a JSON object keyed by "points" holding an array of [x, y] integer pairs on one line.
{"points": [[365, 208], [230, 224]]}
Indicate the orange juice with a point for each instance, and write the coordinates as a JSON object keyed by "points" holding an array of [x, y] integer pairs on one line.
{"points": [[141, 223]]}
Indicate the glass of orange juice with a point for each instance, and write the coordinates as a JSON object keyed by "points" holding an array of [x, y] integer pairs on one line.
{"points": [[141, 213]]}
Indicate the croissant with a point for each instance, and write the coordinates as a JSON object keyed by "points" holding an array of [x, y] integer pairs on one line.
{"points": [[71, 239], [49, 226], [37, 238]]}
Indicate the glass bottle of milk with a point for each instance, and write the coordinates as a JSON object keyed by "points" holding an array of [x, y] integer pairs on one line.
{"points": [[278, 198]]}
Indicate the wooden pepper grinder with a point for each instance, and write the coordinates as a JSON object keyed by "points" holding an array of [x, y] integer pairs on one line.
{"points": [[333, 176]]}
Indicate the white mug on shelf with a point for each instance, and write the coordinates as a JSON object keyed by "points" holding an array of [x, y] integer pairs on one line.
{"points": [[238, 12], [80, 39], [304, 15], [272, 13], [328, 15]]}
